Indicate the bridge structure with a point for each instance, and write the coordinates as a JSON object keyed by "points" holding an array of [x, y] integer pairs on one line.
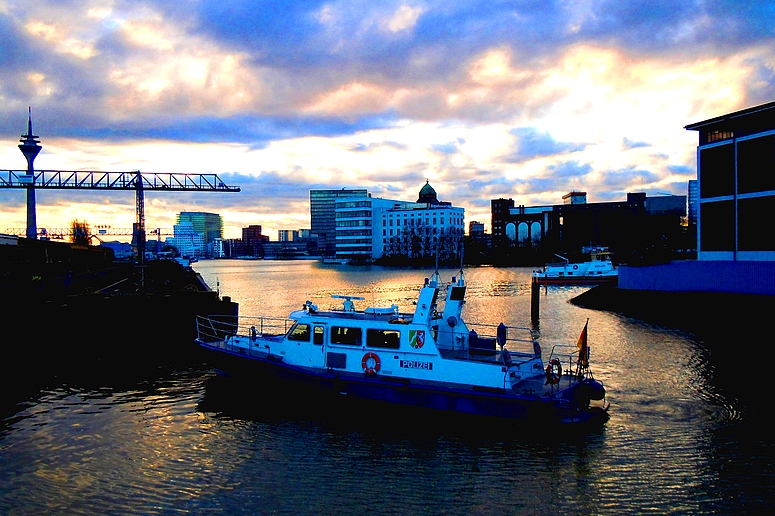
{"points": [[96, 232], [136, 181]]}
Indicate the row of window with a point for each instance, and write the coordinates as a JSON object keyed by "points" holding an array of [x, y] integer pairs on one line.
{"points": [[353, 214], [721, 231], [714, 136], [353, 223], [389, 339], [352, 233], [410, 222], [745, 167], [353, 204]]}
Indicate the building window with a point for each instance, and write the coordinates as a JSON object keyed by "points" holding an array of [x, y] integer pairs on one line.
{"points": [[715, 136], [717, 171], [751, 216], [718, 226], [756, 165]]}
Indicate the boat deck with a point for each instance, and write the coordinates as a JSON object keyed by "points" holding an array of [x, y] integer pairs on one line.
{"points": [[537, 386]]}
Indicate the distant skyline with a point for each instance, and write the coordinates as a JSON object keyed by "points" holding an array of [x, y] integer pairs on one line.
{"points": [[524, 100]]}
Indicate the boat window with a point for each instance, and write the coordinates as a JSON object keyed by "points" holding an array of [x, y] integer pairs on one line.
{"points": [[344, 335], [383, 339], [299, 332], [318, 335]]}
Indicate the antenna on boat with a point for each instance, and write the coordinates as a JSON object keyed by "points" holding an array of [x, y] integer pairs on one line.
{"points": [[461, 261]]}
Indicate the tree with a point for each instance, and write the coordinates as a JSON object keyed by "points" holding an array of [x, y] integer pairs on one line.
{"points": [[79, 232]]}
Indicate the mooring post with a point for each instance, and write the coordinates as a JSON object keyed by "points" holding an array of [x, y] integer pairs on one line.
{"points": [[535, 296]]}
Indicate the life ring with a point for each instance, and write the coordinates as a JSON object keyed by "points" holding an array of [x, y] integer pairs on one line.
{"points": [[370, 363], [553, 371], [575, 267]]}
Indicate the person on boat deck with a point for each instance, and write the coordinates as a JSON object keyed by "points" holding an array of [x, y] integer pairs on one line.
{"points": [[349, 306]]}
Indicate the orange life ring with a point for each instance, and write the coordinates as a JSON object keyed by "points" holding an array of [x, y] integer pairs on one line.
{"points": [[553, 371], [370, 363]]}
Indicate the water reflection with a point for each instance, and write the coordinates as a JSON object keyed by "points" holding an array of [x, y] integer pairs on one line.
{"points": [[687, 433]]}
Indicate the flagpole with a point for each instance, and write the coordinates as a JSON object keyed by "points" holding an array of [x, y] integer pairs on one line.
{"points": [[583, 360]]}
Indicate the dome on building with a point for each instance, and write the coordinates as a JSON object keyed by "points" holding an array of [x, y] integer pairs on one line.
{"points": [[427, 194]]}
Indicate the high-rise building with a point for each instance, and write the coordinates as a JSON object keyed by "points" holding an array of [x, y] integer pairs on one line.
{"points": [[253, 241], [322, 205], [694, 202], [210, 225]]}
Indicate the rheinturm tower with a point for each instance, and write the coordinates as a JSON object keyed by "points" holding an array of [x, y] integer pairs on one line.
{"points": [[30, 147]]}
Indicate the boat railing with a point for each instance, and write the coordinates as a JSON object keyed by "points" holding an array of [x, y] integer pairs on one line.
{"points": [[214, 328], [568, 355], [482, 339], [263, 326]]}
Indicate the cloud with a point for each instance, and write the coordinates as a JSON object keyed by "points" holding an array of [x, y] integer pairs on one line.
{"points": [[520, 99], [532, 144], [629, 144]]}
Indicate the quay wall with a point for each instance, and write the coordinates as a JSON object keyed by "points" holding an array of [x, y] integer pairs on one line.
{"points": [[740, 277]]}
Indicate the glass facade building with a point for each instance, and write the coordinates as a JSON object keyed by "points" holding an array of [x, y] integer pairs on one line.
{"points": [[210, 225], [322, 206]]}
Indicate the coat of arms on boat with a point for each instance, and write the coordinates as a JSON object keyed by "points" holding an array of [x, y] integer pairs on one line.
{"points": [[417, 338]]}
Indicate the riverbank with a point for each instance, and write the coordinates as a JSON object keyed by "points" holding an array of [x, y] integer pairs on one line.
{"points": [[708, 315]]}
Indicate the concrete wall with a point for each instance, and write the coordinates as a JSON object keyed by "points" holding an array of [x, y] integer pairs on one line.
{"points": [[701, 276]]}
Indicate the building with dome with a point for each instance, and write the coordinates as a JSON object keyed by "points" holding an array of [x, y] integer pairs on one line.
{"points": [[370, 228]]}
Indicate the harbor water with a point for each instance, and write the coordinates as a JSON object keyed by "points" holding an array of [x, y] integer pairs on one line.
{"points": [[689, 429]]}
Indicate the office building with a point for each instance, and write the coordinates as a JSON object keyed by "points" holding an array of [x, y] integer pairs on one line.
{"points": [[209, 225], [374, 228], [736, 182], [189, 242], [322, 205]]}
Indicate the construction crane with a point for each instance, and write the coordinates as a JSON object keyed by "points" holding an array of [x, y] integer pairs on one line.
{"points": [[33, 180]]}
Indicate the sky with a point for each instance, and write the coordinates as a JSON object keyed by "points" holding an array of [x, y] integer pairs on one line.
{"points": [[524, 99]]}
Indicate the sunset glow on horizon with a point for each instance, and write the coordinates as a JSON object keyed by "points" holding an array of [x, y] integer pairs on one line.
{"points": [[519, 100]]}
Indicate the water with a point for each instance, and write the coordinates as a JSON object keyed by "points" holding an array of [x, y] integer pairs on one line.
{"points": [[688, 433]]}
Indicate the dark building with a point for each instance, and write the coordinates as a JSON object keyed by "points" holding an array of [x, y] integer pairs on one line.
{"points": [[736, 179], [253, 241], [640, 229]]}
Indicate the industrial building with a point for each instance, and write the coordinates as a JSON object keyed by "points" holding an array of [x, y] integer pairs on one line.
{"points": [[638, 230]]}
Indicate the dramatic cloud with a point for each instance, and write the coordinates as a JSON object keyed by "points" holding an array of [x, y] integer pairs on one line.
{"points": [[525, 100]]}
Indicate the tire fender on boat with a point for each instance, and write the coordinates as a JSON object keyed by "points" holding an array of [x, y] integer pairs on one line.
{"points": [[370, 363], [575, 267], [553, 371]]}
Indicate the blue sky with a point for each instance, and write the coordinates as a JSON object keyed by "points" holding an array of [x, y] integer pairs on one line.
{"points": [[522, 99]]}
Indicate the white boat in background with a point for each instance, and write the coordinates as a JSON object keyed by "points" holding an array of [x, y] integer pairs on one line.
{"points": [[598, 269], [430, 358]]}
